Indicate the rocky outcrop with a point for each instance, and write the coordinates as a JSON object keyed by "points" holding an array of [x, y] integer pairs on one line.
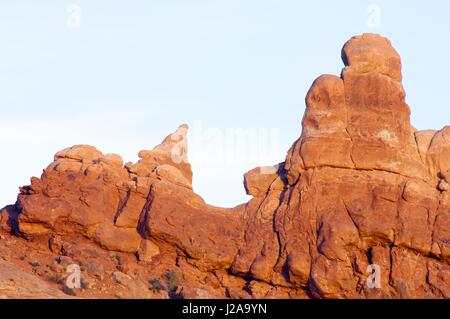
{"points": [[360, 191]]}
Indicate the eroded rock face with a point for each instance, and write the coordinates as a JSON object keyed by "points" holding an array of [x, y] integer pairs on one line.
{"points": [[86, 192], [361, 190]]}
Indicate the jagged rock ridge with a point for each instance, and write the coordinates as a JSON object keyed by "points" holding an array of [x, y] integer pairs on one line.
{"points": [[359, 187]]}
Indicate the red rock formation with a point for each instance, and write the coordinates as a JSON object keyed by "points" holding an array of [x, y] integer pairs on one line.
{"points": [[359, 187]]}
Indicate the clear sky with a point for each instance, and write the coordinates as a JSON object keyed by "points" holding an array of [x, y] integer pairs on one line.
{"points": [[121, 75]]}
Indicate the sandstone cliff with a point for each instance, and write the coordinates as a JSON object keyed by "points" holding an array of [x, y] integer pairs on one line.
{"points": [[360, 188]]}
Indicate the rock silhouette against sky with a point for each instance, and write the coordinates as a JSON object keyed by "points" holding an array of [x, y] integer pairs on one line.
{"points": [[361, 189]]}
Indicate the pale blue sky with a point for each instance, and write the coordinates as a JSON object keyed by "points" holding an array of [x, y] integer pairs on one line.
{"points": [[134, 71]]}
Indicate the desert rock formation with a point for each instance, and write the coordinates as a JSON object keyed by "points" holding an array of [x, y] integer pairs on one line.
{"points": [[360, 187]]}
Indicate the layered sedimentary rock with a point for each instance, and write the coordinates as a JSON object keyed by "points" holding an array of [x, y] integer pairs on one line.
{"points": [[361, 190]]}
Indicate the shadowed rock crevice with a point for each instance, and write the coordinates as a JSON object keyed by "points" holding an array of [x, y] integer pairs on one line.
{"points": [[9, 220]]}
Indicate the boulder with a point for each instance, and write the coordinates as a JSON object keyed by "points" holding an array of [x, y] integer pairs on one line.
{"points": [[257, 182]]}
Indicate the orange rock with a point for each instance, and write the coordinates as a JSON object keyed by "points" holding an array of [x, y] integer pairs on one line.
{"points": [[370, 53], [257, 182], [117, 239], [147, 250], [360, 190]]}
